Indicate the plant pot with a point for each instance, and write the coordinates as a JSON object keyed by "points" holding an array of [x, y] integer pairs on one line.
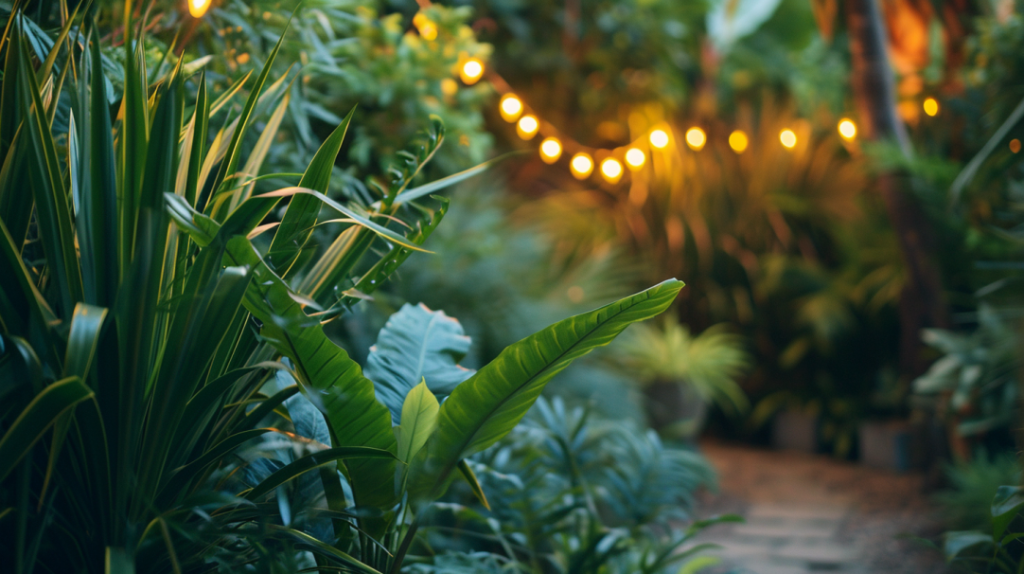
{"points": [[887, 444], [794, 430], [675, 409]]}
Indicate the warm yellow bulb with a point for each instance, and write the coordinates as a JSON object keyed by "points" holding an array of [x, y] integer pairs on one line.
{"points": [[635, 158], [695, 138], [847, 129], [527, 127], [1015, 145], [472, 70], [611, 169], [449, 87], [738, 141], [788, 138], [511, 107], [550, 150], [931, 107], [197, 8], [659, 139], [581, 165]]}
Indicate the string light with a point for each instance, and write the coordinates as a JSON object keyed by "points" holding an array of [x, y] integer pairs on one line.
{"points": [[197, 8], [1015, 145], [738, 141], [550, 150], [511, 107], [788, 138], [581, 165], [659, 139], [931, 107], [696, 138], [847, 129], [611, 169], [635, 158], [471, 71], [527, 127], [427, 29], [449, 87]]}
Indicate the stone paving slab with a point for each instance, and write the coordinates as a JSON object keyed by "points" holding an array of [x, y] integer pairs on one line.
{"points": [[810, 514]]}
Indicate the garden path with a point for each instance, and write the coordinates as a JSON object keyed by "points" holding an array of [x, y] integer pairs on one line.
{"points": [[807, 513]]}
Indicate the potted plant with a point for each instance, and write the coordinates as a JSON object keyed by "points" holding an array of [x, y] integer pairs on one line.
{"points": [[682, 375]]}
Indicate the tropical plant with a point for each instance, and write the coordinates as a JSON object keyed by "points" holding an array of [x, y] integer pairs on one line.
{"points": [[972, 486], [977, 374], [572, 492], [702, 370], [999, 550], [143, 308]]}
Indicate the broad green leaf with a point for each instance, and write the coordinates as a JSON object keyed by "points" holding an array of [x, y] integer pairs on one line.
{"points": [[333, 381], [958, 541], [1006, 505], [415, 344], [419, 419], [300, 217], [56, 399], [488, 405], [313, 461]]}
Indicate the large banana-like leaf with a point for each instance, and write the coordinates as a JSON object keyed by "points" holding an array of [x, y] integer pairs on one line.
{"points": [[415, 344], [333, 381], [487, 406]]}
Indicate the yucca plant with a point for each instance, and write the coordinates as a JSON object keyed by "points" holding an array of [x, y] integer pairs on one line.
{"points": [[144, 309]]}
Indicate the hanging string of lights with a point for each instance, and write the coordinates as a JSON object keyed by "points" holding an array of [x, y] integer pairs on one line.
{"points": [[609, 162]]}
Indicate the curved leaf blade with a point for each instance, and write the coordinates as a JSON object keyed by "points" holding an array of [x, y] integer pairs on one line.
{"points": [[487, 406]]}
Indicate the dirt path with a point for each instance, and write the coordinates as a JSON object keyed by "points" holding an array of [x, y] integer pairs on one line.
{"points": [[814, 514]]}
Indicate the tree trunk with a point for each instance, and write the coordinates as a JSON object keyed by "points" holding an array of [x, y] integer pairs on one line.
{"points": [[922, 303]]}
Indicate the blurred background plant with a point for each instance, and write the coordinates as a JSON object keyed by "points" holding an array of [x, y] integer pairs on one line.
{"points": [[571, 491], [682, 375]]}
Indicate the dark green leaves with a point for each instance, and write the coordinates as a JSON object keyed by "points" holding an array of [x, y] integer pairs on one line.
{"points": [[415, 344], [488, 405], [44, 410]]}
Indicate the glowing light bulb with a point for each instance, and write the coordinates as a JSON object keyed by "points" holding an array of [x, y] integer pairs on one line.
{"points": [[695, 138], [197, 8], [847, 129], [788, 138], [659, 139], [427, 29], [635, 158], [471, 71], [581, 165], [611, 169], [1015, 145], [510, 107], [738, 141], [550, 150], [449, 87], [931, 107], [527, 127]]}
